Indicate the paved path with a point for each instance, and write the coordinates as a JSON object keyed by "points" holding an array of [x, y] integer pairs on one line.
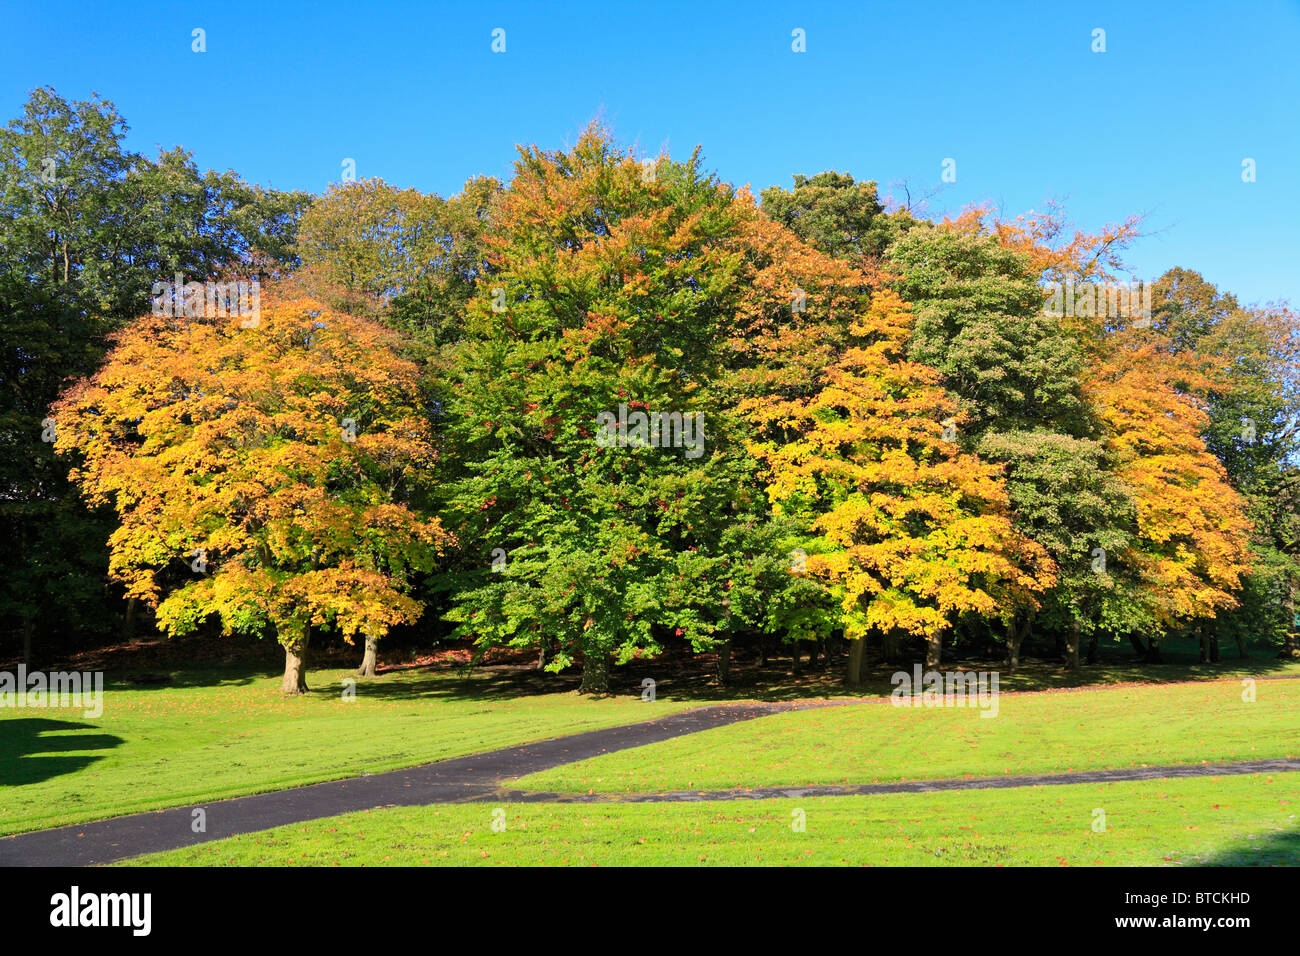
{"points": [[448, 781], [482, 778]]}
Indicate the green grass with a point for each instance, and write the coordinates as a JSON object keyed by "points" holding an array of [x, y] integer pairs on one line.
{"points": [[228, 732], [1052, 732], [1249, 819]]}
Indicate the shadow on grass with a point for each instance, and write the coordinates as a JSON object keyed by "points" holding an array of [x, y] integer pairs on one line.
{"points": [[27, 742], [214, 676], [692, 677], [1275, 849], [776, 682]]}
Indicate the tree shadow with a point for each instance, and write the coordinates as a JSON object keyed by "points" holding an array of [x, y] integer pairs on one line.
{"points": [[173, 678], [481, 684], [1274, 849], [692, 677], [26, 742]]}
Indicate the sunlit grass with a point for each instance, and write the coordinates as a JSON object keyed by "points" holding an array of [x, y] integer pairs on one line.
{"points": [[1231, 820], [1051, 732], [229, 732]]}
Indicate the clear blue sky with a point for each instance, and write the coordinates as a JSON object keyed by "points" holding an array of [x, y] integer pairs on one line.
{"points": [[1159, 123]]}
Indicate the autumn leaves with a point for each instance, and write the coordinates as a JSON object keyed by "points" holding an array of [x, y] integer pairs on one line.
{"points": [[210, 437], [886, 399]]}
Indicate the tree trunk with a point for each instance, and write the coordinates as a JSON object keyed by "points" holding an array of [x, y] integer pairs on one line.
{"points": [[1072, 647], [1015, 635], [1094, 656], [295, 666], [1205, 646], [794, 657], [857, 652], [1153, 651], [934, 650], [892, 645], [595, 672], [27, 641], [541, 654], [1214, 649], [128, 622], [762, 650], [369, 658], [1241, 647], [724, 662], [1137, 645]]}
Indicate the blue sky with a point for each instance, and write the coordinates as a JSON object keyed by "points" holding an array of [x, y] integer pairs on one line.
{"points": [[1158, 124]]}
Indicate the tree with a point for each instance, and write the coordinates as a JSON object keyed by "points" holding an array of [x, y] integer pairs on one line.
{"points": [[259, 473], [1018, 374], [86, 229], [1065, 496], [980, 323], [911, 532], [836, 215], [609, 283], [1191, 546], [407, 257]]}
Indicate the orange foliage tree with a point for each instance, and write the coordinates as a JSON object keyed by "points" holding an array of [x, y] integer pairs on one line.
{"points": [[260, 473], [910, 531], [1192, 546]]}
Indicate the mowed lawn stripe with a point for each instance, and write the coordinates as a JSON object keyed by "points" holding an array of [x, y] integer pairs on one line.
{"points": [[1248, 820], [1035, 733]]}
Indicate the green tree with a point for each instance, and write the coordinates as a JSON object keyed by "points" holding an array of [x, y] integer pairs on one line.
{"points": [[609, 283], [837, 215], [1018, 375], [399, 254]]}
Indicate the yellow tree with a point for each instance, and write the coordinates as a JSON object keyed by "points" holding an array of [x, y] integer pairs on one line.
{"points": [[260, 468], [1192, 546], [911, 531]]}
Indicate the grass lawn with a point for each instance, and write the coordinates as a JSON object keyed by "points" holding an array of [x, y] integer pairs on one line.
{"points": [[1049, 732], [1230, 820], [228, 732], [225, 731]]}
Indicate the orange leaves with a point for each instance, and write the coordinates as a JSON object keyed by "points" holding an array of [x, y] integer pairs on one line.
{"points": [[910, 530], [1192, 546], [274, 453]]}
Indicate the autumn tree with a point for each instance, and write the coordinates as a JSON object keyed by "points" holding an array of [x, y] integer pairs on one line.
{"points": [[1173, 390], [86, 228], [910, 531], [408, 257], [260, 468], [1191, 546]]}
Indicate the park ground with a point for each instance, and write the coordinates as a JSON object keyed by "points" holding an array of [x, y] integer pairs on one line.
{"points": [[179, 736]]}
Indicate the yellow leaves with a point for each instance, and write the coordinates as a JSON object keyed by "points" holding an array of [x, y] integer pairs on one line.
{"points": [[912, 531], [1192, 545], [273, 450]]}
